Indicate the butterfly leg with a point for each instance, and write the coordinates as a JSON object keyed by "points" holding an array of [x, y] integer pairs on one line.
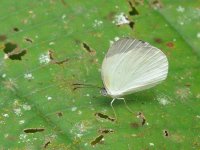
{"points": [[129, 109], [111, 104]]}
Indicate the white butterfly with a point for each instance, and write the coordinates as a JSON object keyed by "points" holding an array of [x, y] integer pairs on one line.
{"points": [[132, 65]]}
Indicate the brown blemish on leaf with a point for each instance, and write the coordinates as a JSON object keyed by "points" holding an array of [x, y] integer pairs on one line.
{"points": [[137, 2], [97, 140], [158, 40], [3, 38], [105, 131], [46, 144], [133, 10], [53, 59], [88, 49], [135, 125], [170, 44], [142, 117], [103, 116], [156, 4], [64, 3], [60, 114], [33, 130]]}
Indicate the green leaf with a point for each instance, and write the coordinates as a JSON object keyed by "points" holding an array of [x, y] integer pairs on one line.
{"points": [[37, 94]]}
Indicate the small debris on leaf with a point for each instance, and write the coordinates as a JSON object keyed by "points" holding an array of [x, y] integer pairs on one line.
{"points": [[33, 130], [99, 139]]}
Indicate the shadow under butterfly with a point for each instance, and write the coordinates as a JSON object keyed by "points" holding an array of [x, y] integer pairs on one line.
{"points": [[130, 66]]}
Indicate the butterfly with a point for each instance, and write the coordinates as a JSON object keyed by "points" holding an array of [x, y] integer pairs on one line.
{"points": [[130, 66]]}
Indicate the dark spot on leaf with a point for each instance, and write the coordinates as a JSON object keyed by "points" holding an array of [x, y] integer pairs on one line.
{"points": [[33, 130], [60, 114], [88, 49], [131, 24], [17, 55], [16, 29], [28, 40], [46, 144], [105, 131], [97, 140], [188, 84], [9, 47], [158, 40], [135, 125], [166, 133], [110, 16], [103, 116], [133, 10], [170, 44], [3, 38]]}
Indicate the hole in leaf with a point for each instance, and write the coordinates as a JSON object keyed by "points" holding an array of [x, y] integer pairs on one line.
{"points": [[88, 49], [166, 133], [9, 47], [131, 24], [33, 130], [28, 40], [103, 116], [133, 10], [16, 29], [16, 55], [105, 131], [97, 140]]}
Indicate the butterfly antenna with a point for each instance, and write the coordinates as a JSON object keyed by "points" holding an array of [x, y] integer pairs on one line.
{"points": [[111, 104], [129, 109]]}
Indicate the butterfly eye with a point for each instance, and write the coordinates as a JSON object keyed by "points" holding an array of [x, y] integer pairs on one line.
{"points": [[103, 92]]}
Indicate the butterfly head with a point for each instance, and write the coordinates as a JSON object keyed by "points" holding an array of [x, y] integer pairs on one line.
{"points": [[104, 92]]}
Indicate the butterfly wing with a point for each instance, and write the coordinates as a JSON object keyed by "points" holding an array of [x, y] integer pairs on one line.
{"points": [[131, 65]]}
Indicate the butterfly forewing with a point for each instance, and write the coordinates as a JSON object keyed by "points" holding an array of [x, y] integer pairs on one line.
{"points": [[132, 65]]}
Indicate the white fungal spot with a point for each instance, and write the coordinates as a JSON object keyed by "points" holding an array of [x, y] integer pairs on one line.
{"points": [[121, 19], [5, 115], [198, 35], [115, 39], [21, 121], [97, 23], [79, 112], [3, 75], [26, 107], [74, 108], [63, 16], [28, 76], [22, 137], [18, 111], [87, 95], [180, 9], [163, 100], [151, 144], [44, 59], [198, 116], [49, 98], [51, 43]]}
